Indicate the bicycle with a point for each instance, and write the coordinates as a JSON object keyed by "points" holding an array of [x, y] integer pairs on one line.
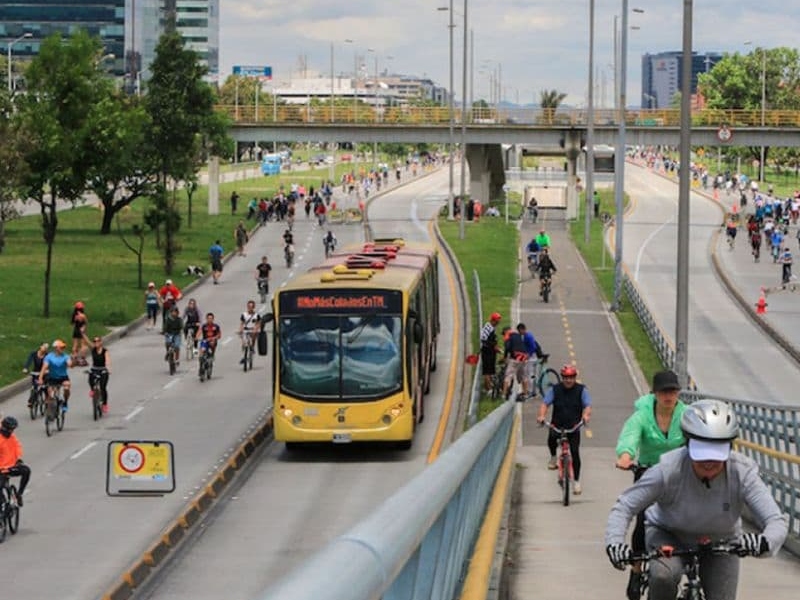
{"points": [[37, 398], [288, 254], [730, 234], [693, 586], [248, 349], [96, 375], [498, 380], [533, 264], [55, 409], [206, 363], [329, 246], [566, 474], [188, 339], [542, 376], [9, 507], [173, 353], [263, 288], [545, 287]]}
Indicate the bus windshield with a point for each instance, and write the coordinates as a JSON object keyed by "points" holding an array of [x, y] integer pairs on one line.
{"points": [[335, 358]]}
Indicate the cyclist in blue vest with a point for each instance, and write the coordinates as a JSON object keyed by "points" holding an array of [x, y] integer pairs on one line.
{"points": [[54, 370], [571, 403]]}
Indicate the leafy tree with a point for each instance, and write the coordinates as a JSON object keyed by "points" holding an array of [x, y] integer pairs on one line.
{"points": [[121, 172], [138, 232], [64, 83], [13, 169], [549, 100], [183, 129]]}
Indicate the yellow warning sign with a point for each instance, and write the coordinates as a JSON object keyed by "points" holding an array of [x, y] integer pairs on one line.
{"points": [[143, 461]]}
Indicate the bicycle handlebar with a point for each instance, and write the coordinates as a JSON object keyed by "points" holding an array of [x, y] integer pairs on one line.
{"points": [[702, 549], [559, 430]]}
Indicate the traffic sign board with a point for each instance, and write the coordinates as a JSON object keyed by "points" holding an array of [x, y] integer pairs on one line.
{"points": [[262, 72], [140, 467]]}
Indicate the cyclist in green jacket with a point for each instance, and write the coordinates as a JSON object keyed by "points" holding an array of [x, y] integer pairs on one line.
{"points": [[653, 429]]}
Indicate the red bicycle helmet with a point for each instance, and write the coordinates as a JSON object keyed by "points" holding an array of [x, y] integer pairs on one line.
{"points": [[79, 305], [496, 316], [569, 371]]}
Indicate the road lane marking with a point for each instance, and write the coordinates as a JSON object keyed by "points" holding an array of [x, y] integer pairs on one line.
{"points": [[134, 412], [86, 448], [227, 340]]}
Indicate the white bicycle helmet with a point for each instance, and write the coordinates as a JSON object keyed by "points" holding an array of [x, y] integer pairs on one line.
{"points": [[710, 420]]}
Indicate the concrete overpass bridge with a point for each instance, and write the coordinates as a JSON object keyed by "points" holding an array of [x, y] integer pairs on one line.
{"points": [[496, 139]]}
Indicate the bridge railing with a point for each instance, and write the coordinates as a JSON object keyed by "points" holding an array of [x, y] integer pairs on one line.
{"points": [[363, 114], [417, 543]]}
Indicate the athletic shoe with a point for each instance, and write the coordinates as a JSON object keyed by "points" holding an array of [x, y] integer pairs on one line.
{"points": [[576, 488], [552, 465]]}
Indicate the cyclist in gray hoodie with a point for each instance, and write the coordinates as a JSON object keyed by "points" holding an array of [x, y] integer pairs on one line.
{"points": [[694, 492]]}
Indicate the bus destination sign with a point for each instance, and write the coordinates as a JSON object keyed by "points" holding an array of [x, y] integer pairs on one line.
{"points": [[341, 301]]}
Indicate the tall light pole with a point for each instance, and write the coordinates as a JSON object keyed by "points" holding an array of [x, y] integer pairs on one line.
{"points": [[11, 85], [355, 78], [332, 84], [587, 223], [463, 186], [761, 166], [684, 187], [451, 123]]}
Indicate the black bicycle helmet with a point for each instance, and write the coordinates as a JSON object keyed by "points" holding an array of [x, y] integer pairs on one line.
{"points": [[710, 420], [9, 423]]}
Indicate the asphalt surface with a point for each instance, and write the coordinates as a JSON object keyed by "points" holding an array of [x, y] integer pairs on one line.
{"points": [[557, 551]]}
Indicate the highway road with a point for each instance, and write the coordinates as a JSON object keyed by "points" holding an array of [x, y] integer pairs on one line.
{"points": [[728, 354], [292, 504]]}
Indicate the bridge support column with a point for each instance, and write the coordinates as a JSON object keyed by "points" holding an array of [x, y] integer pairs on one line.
{"points": [[487, 173], [573, 145]]}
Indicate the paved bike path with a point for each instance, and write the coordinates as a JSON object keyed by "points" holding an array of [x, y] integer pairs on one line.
{"points": [[557, 551]]}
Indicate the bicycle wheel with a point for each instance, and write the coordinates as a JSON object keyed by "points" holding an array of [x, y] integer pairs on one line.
{"points": [[171, 358], [246, 358], [546, 293], [249, 361], [49, 418], [12, 510], [209, 368], [97, 402], [547, 379], [564, 475], [33, 407], [3, 519], [201, 372], [60, 415], [188, 344]]}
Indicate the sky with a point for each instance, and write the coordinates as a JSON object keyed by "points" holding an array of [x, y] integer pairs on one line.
{"points": [[535, 44]]}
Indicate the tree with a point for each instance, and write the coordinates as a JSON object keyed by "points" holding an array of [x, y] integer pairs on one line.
{"points": [[121, 172], [64, 82], [549, 100], [13, 169], [137, 231], [182, 131]]}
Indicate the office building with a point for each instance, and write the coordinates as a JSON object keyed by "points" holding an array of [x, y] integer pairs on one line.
{"points": [[662, 76], [42, 18]]}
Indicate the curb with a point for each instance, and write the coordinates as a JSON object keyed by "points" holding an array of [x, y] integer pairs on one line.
{"points": [[174, 534]]}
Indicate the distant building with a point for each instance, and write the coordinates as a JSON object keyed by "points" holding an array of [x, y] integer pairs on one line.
{"points": [[42, 18], [662, 75]]}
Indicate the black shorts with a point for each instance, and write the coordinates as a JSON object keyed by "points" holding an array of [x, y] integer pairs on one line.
{"points": [[488, 361], [216, 265]]}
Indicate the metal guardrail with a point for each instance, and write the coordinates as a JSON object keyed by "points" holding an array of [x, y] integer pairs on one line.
{"points": [[660, 343], [409, 548], [488, 117], [475, 391]]}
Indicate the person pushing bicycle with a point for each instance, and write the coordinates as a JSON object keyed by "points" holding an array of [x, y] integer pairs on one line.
{"points": [[694, 492], [571, 403]]}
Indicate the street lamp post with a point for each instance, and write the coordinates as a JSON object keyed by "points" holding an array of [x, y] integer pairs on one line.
{"points": [[463, 186], [11, 85], [587, 223], [451, 123], [762, 155]]}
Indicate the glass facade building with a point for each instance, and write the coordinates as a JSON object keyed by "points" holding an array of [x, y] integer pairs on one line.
{"points": [[662, 75], [42, 18]]}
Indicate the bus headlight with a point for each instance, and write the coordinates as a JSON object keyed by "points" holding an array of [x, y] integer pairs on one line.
{"points": [[387, 419], [296, 420], [287, 413]]}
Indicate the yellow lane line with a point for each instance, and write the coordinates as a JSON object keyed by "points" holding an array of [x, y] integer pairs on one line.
{"points": [[438, 439]]}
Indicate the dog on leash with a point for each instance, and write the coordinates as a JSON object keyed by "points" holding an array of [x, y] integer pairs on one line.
{"points": [[195, 270]]}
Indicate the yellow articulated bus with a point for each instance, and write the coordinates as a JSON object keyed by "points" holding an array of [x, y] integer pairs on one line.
{"points": [[355, 345]]}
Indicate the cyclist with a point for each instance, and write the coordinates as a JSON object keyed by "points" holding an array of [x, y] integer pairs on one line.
{"points": [[533, 210], [288, 237], [55, 370], [329, 241], [532, 251], [240, 237], [755, 243], [516, 357], [532, 348], [101, 367], [173, 330], [262, 274], [191, 322], [653, 429], [730, 230], [543, 239], [489, 349], [249, 326], [571, 403], [169, 294], [288, 254], [208, 335], [33, 365], [11, 464], [546, 268], [786, 265], [699, 491], [215, 254]]}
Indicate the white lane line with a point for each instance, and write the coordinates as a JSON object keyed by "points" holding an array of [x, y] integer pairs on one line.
{"points": [[80, 452], [227, 340], [646, 241], [134, 412], [171, 383]]}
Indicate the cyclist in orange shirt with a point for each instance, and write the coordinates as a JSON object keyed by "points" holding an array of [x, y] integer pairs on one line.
{"points": [[11, 464]]}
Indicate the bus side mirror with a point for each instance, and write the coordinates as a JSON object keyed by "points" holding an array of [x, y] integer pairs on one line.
{"points": [[268, 318]]}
